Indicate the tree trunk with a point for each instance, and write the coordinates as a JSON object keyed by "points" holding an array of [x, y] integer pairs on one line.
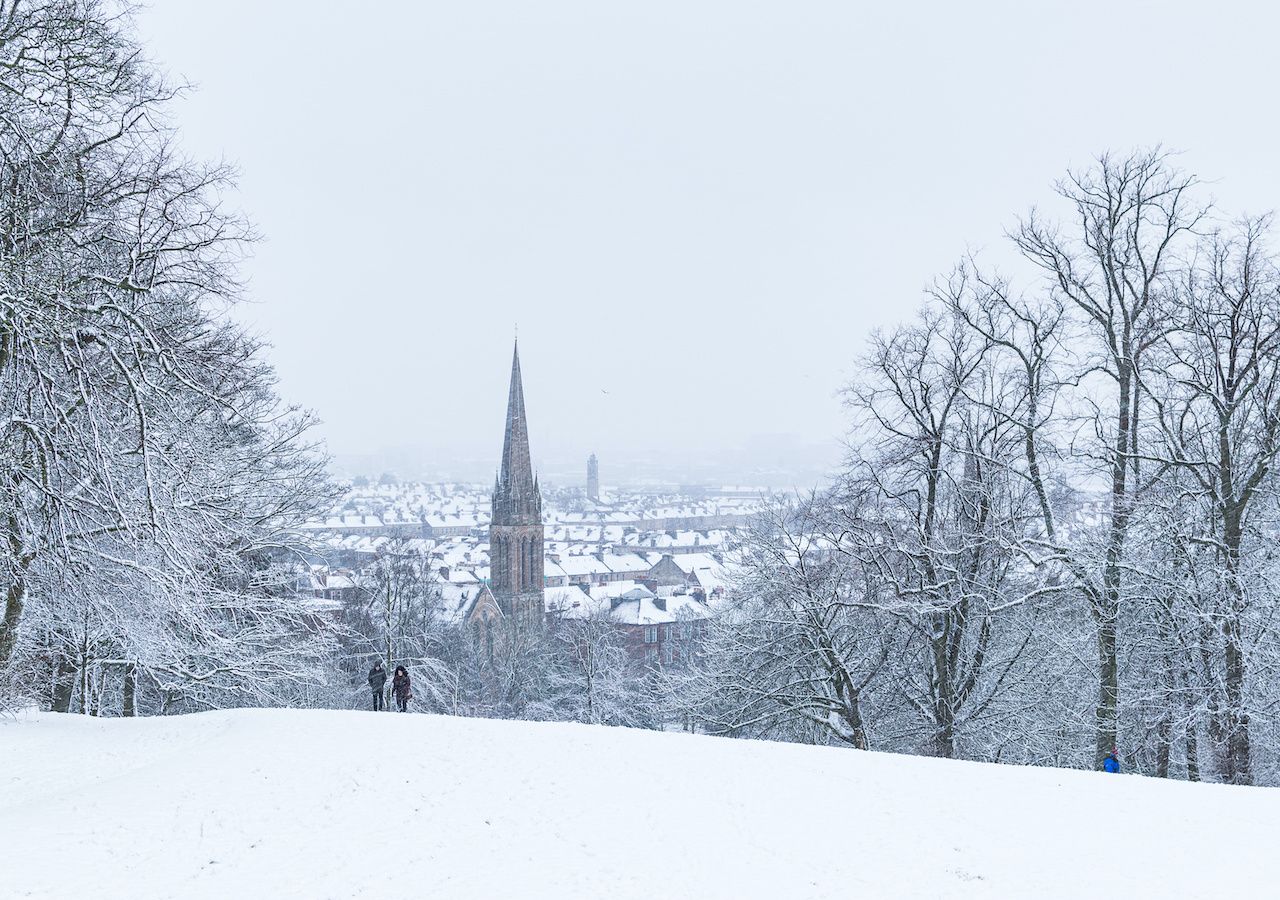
{"points": [[64, 684], [1168, 694], [944, 705], [1108, 692], [1106, 612], [389, 664], [128, 705], [851, 709], [14, 601], [1237, 768], [1164, 737], [16, 593], [1193, 753], [95, 699], [1237, 763]]}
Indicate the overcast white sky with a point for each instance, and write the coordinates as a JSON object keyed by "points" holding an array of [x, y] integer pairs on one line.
{"points": [[695, 211]]}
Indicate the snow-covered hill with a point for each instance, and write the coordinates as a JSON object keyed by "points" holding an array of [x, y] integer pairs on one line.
{"points": [[314, 804]]}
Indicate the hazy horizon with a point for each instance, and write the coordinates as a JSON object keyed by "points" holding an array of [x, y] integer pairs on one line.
{"points": [[694, 214]]}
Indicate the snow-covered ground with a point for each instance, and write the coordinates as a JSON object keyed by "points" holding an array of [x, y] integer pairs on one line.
{"points": [[315, 804]]}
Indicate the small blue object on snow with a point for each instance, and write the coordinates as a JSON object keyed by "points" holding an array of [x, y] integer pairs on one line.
{"points": [[1110, 764]]}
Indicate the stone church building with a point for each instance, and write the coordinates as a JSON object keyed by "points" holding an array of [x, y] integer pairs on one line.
{"points": [[516, 591]]}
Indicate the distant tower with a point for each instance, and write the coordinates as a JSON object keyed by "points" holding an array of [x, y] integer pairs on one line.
{"points": [[593, 478], [515, 531]]}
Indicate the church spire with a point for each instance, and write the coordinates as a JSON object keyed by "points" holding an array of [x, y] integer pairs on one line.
{"points": [[515, 530], [516, 495]]}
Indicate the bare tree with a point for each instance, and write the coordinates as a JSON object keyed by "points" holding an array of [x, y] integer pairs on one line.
{"points": [[1114, 269], [112, 249], [795, 653], [938, 512], [592, 678], [143, 447], [403, 603], [1217, 410]]}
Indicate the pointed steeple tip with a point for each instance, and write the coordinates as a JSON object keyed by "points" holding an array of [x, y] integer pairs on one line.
{"points": [[516, 470], [515, 361]]}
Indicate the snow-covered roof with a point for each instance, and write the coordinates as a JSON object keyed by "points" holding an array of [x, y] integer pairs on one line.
{"points": [[625, 562], [583, 565], [691, 562], [649, 610], [626, 603]]}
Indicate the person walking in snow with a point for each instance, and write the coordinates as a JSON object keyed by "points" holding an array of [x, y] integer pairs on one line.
{"points": [[377, 678], [1110, 763], [400, 687]]}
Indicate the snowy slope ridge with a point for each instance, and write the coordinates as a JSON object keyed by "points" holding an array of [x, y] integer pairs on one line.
{"points": [[315, 804]]}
